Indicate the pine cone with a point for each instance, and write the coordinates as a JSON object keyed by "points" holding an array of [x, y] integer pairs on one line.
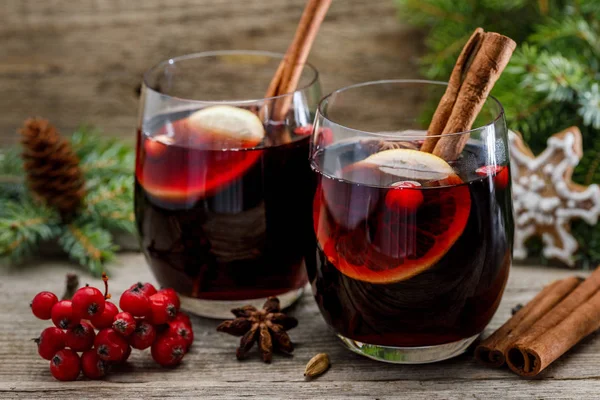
{"points": [[52, 167]]}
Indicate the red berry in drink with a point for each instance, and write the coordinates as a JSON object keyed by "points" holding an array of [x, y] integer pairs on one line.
{"points": [[500, 172], [92, 366], [63, 316], [404, 197], [88, 302], [105, 320], [147, 288], [304, 130], [124, 323], [110, 345], [42, 304], [182, 330], [143, 336], [81, 337], [51, 341], [65, 365], [154, 148], [172, 294], [163, 309], [502, 178], [135, 302], [183, 317], [168, 350]]}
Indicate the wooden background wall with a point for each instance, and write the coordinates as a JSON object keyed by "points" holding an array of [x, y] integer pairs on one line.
{"points": [[80, 61]]}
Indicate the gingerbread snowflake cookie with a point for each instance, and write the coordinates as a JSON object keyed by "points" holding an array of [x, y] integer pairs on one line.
{"points": [[544, 197]]}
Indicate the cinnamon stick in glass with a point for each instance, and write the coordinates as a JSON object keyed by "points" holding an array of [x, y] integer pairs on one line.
{"points": [[444, 108], [288, 73], [478, 68], [491, 351]]}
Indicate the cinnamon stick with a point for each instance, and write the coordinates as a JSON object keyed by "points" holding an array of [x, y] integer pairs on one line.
{"points": [[492, 350], [290, 69], [567, 323], [480, 66], [290, 83], [446, 104]]}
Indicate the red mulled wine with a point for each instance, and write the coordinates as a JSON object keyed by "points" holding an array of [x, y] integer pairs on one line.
{"points": [[224, 216], [411, 251]]}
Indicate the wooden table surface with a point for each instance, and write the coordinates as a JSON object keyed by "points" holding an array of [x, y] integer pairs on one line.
{"points": [[210, 370]]}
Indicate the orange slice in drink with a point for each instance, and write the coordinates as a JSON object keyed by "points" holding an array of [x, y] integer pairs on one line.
{"points": [[395, 243], [211, 148]]}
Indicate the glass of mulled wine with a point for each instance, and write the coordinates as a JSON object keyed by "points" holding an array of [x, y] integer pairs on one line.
{"points": [[413, 250], [223, 190]]}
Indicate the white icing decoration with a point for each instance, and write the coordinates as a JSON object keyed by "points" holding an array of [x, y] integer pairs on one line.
{"points": [[533, 209]]}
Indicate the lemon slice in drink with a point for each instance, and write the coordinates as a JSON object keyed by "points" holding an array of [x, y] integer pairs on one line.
{"points": [[228, 122], [411, 165]]}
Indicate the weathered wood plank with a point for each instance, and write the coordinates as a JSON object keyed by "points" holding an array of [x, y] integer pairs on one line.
{"points": [[211, 369], [82, 61]]}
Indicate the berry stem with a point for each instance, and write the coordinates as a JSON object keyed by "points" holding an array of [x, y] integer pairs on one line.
{"points": [[105, 280]]}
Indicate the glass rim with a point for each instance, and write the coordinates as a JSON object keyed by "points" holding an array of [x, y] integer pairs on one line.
{"points": [[214, 53], [389, 134]]}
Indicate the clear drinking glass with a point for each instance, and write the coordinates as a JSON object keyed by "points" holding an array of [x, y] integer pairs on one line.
{"points": [[222, 191], [413, 252]]}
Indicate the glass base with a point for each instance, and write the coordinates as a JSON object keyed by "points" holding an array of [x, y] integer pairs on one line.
{"points": [[221, 309], [409, 355]]}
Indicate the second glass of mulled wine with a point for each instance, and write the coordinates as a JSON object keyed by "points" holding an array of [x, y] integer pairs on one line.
{"points": [[223, 189], [413, 250]]}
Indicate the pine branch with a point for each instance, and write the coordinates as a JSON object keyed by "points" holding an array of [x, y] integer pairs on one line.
{"points": [[112, 206], [11, 162], [552, 75], [589, 106], [568, 31], [588, 169], [588, 237], [102, 159], [91, 246], [590, 9], [427, 12], [12, 187], [504, 5], [108, 205], [23, 224]]}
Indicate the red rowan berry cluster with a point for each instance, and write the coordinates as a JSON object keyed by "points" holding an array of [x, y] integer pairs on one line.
{"points": [[149, 318]]}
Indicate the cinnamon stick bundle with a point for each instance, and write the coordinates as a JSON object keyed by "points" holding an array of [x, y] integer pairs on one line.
{"points": [[477, 69], [557, 331], [491, 351], [545, 328]]}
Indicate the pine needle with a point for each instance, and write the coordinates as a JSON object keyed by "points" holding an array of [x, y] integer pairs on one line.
{"points": [[23, 224], [88, 244]]}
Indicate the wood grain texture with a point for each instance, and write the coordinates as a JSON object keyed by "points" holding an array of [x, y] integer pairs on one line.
{"points": [[81, 61], [210, 370]]}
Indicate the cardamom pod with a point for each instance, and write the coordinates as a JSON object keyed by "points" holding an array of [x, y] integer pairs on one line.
{"points": [[317, 365]]}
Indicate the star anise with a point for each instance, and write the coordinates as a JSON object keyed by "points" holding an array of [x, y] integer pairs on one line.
{"points": [[266, 326]]}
